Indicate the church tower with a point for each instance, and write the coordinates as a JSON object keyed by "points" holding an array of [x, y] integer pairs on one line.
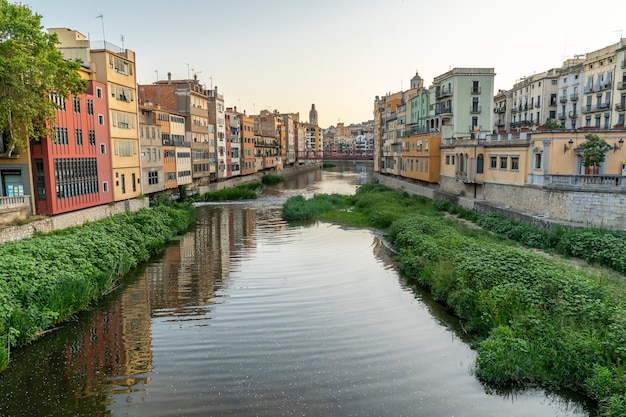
{"points": [[417, 82], [313, 115]]}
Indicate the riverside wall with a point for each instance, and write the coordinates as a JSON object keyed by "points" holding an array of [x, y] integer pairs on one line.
{"points": [[256, 177], [534, 205], [92, 214], [72, 219]]}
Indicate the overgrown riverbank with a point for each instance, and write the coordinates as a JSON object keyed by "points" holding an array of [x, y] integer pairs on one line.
{"points": [[534, 319], [48, 278]]}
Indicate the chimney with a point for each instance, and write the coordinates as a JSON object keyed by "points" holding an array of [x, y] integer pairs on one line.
{"points": [[169, 77]]}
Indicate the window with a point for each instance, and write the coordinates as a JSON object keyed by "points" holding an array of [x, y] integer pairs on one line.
{"points": [[154, 154], [480, 163], [504, 162], [537, 161], [101, 120], [105, 186], [134, 178], [92, 137], [493, 161], [125, 147], [40, 179], [75, 177], [78, 135], [147, 154], [123, 183], [103, 148], [76, 104], [153, 178], [123, 120], [90, 107], [60, 136], [515, 163], [99, 95]]}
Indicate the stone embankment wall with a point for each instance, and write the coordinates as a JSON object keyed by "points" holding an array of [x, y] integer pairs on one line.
{"points": [[78, 218], [538, 206], [235, 181], [72, 219]]}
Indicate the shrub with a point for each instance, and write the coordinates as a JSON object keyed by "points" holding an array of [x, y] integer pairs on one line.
{"points": [[269, 179]]}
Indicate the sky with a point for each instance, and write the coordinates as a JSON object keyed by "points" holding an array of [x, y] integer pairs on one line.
{"points": [[338, 54]]}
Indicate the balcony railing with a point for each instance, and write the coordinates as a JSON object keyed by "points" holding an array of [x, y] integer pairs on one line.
{"points": [[562, 116], [475, 109], [573, 97], [620, 107], [444, 92], [563, 99], [14, 201], [475, 90], [621, 85], [585, 182]]}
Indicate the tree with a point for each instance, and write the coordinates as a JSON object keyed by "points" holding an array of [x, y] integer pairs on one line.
{"points": [[550, 124], [593, 150], [31, 69]]}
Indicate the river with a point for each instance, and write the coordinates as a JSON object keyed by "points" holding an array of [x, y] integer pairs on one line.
{"points": [[249, 316]]}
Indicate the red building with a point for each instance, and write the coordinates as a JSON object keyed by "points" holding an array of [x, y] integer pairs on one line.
{"points": [[73, 171]]}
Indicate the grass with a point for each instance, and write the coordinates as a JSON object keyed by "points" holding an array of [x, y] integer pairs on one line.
{"points": [[535, 320]]}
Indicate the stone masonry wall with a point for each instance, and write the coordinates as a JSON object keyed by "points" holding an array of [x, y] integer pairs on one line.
{"points": [[534, 205], [75, 218]]}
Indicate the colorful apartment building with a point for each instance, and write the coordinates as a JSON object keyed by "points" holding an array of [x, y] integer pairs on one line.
{"points": [[217, 118], [73, 170], [152, 174], [188, 99]]}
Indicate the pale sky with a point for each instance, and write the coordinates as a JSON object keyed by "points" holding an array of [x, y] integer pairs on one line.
{"points": [[338, 54]]}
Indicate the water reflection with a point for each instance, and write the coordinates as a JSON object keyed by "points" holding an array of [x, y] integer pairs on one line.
{"points": [[247, 316]]}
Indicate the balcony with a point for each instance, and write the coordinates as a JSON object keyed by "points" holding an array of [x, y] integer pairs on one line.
{"points": [[587, 109], [562, 116], [563, 99], [623, 64], [475, 109], [620, 107], [621, 85], [446, 109], [585, 182], [443, 92], [573, 115], [537, 105], [573, 97], [475, 90]]}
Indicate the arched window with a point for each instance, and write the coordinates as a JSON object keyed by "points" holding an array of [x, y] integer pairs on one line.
{"points": [[480, 163]]}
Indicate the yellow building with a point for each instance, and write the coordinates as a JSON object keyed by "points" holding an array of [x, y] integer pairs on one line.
{"points": [[115, 67], [421, 157]]}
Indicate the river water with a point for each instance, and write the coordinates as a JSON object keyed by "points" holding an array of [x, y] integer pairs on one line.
{"points": [[249, 316]]}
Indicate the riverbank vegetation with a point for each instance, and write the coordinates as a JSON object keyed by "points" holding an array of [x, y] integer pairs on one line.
{"points": [[48, 278], [535, 319], [269, 179], [241, 192]]}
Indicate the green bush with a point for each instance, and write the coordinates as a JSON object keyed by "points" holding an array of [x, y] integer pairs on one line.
{"points": [[46, 279], [269, 179]]}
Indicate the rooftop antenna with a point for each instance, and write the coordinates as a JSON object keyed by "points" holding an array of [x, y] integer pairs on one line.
{"points": [[101, 17], [122, 39], [620, 33], [188, 71]]}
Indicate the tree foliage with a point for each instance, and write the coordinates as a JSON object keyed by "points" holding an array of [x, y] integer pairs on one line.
{"points": [[593, 150], [30, 69]]}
